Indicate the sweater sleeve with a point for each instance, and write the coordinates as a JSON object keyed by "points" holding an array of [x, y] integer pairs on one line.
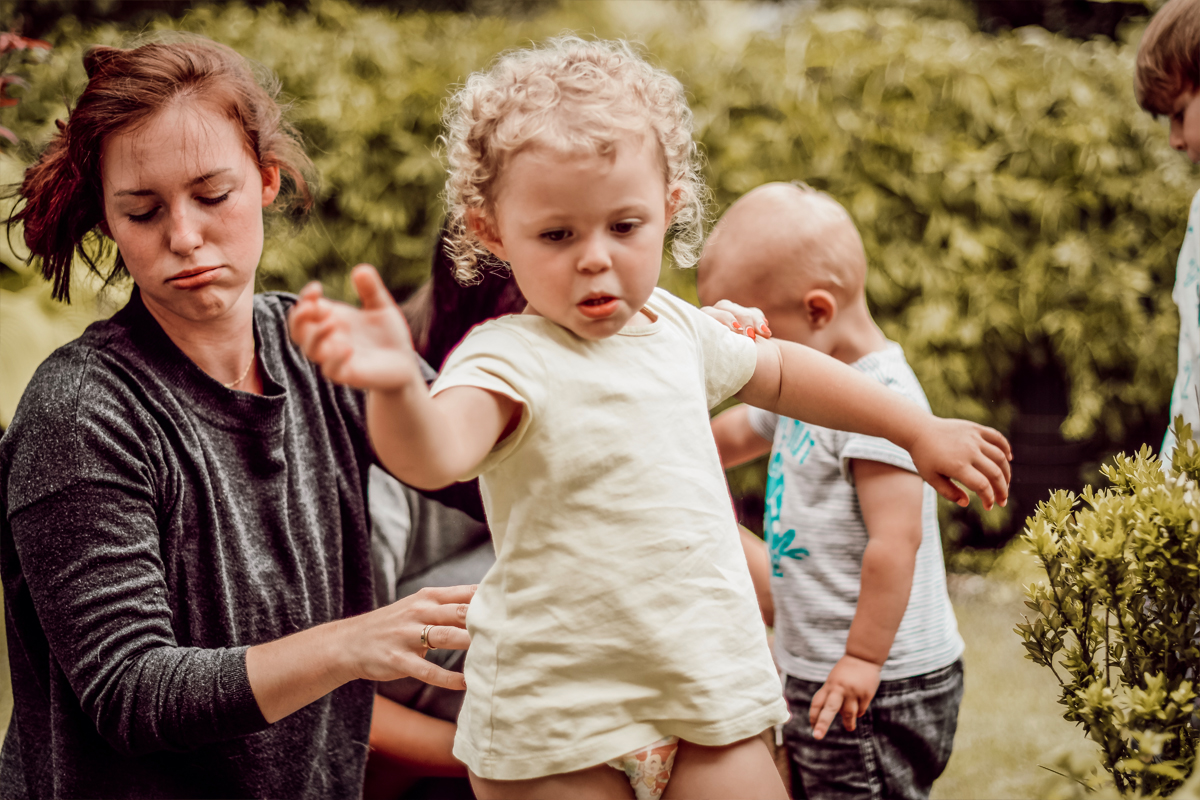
{"points": [[84, 492]]}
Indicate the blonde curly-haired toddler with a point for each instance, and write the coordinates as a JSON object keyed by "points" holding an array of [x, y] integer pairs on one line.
{"points": [[616, 642]]}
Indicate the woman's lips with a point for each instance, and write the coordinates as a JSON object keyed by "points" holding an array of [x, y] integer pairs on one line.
{"points": [[599, 308], [195, 279]]}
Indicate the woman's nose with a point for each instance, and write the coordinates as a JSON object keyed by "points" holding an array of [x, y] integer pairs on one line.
{"points": [[184, 232]]}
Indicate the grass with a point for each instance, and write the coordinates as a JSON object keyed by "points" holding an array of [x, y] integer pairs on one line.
{"points": [[1010, 725]]}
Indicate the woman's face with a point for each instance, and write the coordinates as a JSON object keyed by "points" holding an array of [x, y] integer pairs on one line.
{"points": [[183, 200]]}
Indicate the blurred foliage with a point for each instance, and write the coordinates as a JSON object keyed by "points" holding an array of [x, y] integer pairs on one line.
{"points": [[1014, 201], [1118, 620]]}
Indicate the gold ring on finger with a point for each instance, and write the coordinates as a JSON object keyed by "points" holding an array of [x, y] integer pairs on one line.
{"points": [[425, 638]]}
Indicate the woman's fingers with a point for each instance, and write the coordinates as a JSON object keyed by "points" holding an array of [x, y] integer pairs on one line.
{"points": [[446, 637], [436, 676], [370, 287], [748, 317]]}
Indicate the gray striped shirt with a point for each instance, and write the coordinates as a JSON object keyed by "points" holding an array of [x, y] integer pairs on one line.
{"points": [[814, 528]]}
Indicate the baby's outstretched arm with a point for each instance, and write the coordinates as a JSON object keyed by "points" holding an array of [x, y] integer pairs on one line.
{"points": [[801, 383], [424, 441]]}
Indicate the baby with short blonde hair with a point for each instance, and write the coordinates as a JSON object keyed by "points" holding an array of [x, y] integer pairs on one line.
{"points": [[616, 643]]}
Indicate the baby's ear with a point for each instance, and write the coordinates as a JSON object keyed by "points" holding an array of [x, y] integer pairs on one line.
{"points": [[484, 227]]}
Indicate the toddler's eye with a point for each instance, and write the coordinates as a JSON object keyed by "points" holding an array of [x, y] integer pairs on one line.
{"points": [[625, 226], [555, 236]]}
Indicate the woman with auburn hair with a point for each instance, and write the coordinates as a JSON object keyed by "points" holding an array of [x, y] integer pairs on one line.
{"points": [[185, 537]]}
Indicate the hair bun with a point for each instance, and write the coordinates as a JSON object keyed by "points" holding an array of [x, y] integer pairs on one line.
{"points": [[96, 57]]}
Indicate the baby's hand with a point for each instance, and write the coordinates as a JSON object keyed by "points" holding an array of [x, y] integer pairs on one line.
{"points": [[368, 347], [849, 689], [739, 318], [972, 454]]}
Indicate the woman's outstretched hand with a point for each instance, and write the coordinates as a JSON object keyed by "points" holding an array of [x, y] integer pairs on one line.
{"points": [[948, 450], [368, 347]]}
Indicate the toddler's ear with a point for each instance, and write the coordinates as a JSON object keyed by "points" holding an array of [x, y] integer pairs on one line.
{"points": [[821, 307], [484, 228], [674, 202]]}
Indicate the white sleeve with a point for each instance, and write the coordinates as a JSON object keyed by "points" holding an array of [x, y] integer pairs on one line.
{"points": [[762, 422], [728, 359], [1185, 396]]}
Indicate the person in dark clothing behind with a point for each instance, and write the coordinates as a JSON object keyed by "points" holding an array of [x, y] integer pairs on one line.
{"points": [[418, 542], [184, 537]]}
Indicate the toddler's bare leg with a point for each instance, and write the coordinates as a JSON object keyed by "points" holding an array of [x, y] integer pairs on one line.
{"points": [[596, 783], [740, 771]]}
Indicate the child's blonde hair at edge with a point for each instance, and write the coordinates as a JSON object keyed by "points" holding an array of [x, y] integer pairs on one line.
{"points": [[575, 96]]}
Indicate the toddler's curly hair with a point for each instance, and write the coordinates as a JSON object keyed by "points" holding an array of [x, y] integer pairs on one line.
{"points": [[574, 95]]}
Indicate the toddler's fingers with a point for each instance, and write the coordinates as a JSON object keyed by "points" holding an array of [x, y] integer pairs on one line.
{"points": [[997, 480], [979, 483], [995, 437], [947, 489], [829, 710], [370, 287], [311, 290], [997, 457], [850, 713]]}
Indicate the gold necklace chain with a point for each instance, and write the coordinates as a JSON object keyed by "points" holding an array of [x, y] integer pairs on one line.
{"points": [[245, 372]]}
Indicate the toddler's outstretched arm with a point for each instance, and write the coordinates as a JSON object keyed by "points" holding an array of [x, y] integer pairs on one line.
{"points": [[424, 441], [801, 383]]}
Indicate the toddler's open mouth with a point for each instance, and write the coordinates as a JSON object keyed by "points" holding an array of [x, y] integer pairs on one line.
{"points": [[598, 307]]}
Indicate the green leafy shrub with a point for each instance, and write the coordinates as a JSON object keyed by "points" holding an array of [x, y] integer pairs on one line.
{"points": [[1015, 202], [1118, 619]]}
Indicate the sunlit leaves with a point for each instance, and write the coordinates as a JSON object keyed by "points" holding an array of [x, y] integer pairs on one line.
{"points": [[1118, 620]]}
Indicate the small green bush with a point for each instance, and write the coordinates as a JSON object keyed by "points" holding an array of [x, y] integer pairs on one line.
{"points": [[1118, 619]]}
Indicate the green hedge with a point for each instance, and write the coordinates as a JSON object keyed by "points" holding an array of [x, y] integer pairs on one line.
{"points": [[1014, 201]]}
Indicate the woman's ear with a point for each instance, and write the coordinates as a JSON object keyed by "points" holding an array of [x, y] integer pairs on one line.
{"points": [[270, 180], [820, 306], [484, 228]]}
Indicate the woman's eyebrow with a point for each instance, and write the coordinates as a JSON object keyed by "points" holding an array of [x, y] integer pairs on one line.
{"points": [[205, 178]]}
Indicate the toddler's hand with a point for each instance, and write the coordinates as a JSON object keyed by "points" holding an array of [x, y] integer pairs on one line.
{"points": [[848, 690], [368, 347], [974, 455], [739, 318]]}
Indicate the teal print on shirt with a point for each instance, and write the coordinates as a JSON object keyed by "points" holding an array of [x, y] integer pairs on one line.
{"points": [[798, 442]]}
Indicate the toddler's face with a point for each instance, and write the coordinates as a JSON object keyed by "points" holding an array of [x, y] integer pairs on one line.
{"points": [[1185, 123], [583, 233]]}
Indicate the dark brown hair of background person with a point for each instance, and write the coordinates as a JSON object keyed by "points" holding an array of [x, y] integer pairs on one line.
{"points": [[63, 203], [1168, 58], [442, 311]]}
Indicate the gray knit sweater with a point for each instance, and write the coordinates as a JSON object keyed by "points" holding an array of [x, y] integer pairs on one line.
{"points": [[155, 524]]}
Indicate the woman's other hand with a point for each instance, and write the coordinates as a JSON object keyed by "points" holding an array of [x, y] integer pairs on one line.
{"points": [[386, 643], [368, 347], [740, 319], [382, 645]]}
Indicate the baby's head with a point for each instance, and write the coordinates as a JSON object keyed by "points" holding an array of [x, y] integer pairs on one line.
{"points": [[567, 96], [1167, 77], [794, 253]]}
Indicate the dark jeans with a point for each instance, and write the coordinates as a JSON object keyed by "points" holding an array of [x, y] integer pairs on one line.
{"points": [[896, 751]]}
